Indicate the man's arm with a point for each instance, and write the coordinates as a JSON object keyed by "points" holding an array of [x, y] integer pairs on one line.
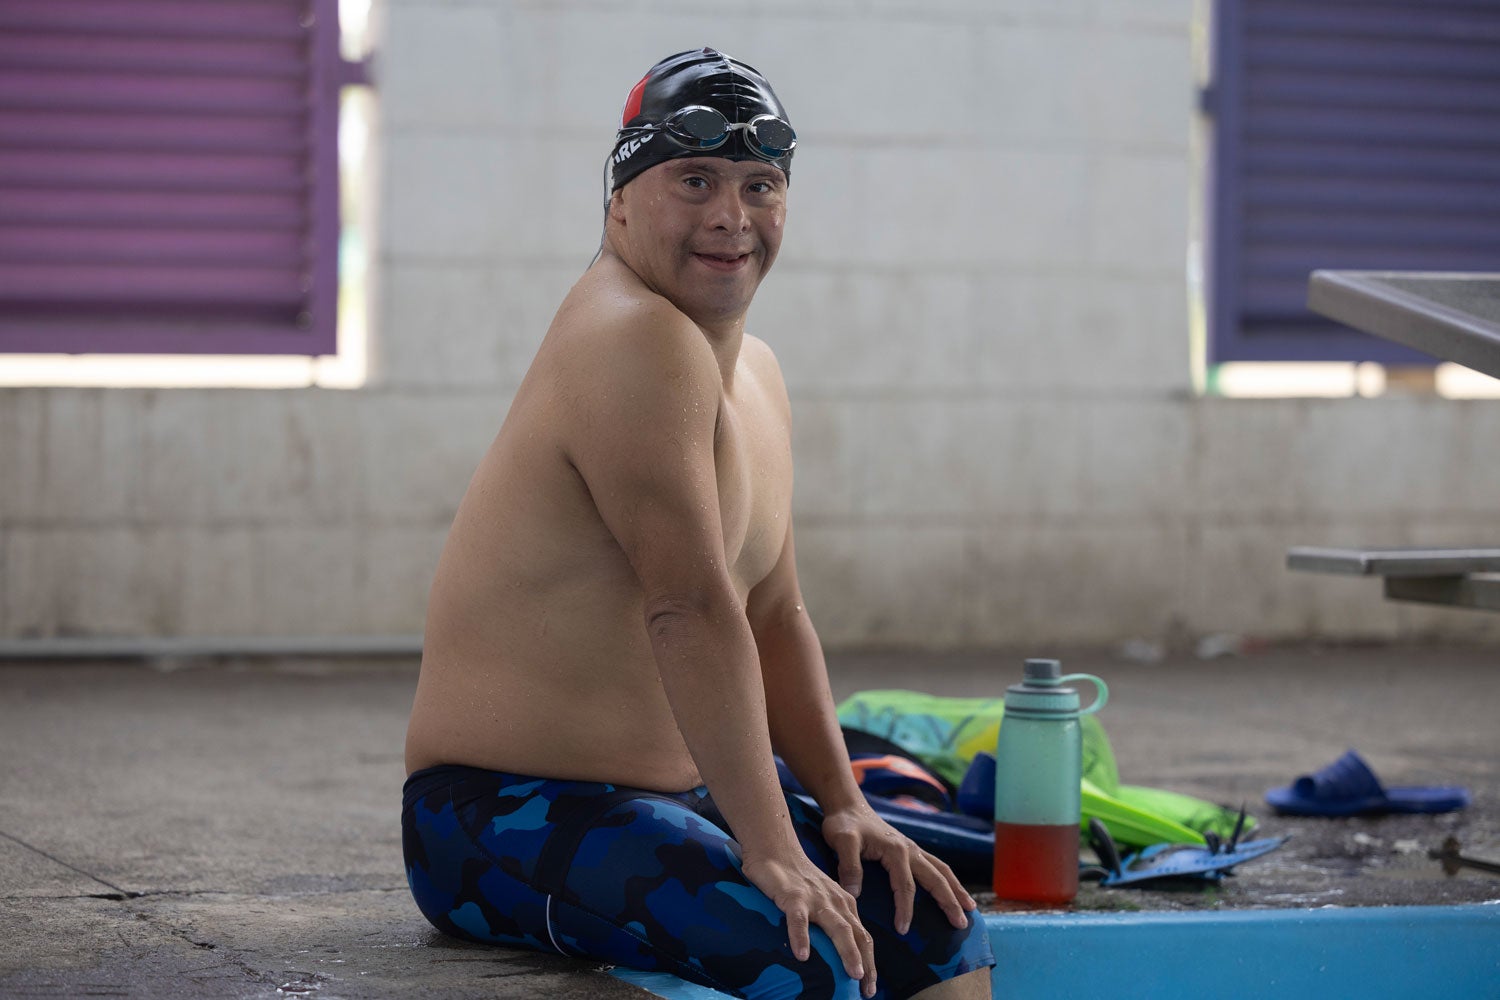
{"points": [[800, 712], [805, 731], [641, 434]]}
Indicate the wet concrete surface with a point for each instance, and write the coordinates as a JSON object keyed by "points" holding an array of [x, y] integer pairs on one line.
{"points": [[1339, 862], [230, 829]]}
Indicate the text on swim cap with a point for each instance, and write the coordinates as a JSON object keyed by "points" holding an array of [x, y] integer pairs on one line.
{"points": [[631, 146]]}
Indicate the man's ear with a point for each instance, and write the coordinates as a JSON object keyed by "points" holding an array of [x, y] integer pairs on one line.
{"points": [[617, 205]]}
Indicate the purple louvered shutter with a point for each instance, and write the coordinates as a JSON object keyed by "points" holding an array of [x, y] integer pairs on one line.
{"points": [[169, 176], [1359, 134]]}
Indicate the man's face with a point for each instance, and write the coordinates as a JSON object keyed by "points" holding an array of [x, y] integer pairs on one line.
{"points": [[702, 231]]}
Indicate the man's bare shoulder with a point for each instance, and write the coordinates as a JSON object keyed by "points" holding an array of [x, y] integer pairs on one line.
{"points": [[761, 361], [625, 375], [758, 352], [611, 325]]}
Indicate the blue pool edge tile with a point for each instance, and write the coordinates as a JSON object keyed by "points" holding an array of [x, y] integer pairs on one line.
{"points": [[1372, 953]]}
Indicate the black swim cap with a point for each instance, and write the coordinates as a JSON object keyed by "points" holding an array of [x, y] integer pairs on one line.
{"points": [[704, 77]]}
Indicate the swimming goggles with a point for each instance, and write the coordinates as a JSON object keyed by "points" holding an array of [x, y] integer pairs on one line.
{"points": [[699, 127]]}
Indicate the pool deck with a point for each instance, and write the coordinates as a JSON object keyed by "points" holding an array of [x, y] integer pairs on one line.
{"points": [[228, 829]]}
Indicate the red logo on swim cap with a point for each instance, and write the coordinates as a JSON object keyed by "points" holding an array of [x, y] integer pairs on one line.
{"points": [[633, 102]]}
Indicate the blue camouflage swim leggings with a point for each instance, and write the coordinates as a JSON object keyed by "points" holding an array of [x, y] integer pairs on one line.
{"points": [[645, 880]]}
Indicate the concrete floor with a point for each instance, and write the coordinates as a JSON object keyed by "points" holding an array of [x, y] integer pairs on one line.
{"points": [[230, 829]]}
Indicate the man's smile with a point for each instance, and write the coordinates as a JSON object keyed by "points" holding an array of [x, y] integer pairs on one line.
{"points": [[723, 261]]}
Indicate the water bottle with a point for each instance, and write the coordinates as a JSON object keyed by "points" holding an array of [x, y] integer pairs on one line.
{"points": [[1038, 764]]}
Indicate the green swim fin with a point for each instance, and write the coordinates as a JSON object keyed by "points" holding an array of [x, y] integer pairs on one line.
{"points": [[1131, 824], [1193, 813]]}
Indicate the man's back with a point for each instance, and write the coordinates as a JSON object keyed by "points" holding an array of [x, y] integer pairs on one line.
{"points": [[536, 656]]}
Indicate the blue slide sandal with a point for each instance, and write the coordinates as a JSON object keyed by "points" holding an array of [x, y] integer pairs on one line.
{"points": [[1348, 787]]}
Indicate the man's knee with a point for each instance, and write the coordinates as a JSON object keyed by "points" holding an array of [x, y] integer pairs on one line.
{"points": [[969, 986], [767, 970]]}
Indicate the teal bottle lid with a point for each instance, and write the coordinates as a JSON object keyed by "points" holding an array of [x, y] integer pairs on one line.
{"points": [[1042, 695]]}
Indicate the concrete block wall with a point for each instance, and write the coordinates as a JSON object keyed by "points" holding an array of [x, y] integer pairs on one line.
{"points": [[142, 512], [980, 309]]}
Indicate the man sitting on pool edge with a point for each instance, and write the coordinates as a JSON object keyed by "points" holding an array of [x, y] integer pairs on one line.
{"points": [[616, 639]]}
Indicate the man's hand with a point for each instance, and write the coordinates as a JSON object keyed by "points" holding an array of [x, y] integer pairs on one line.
{"points": [[807, 896], [858, 834]]}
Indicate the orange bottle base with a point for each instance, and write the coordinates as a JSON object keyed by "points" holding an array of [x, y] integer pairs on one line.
{"points": [[1036, 864]]}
